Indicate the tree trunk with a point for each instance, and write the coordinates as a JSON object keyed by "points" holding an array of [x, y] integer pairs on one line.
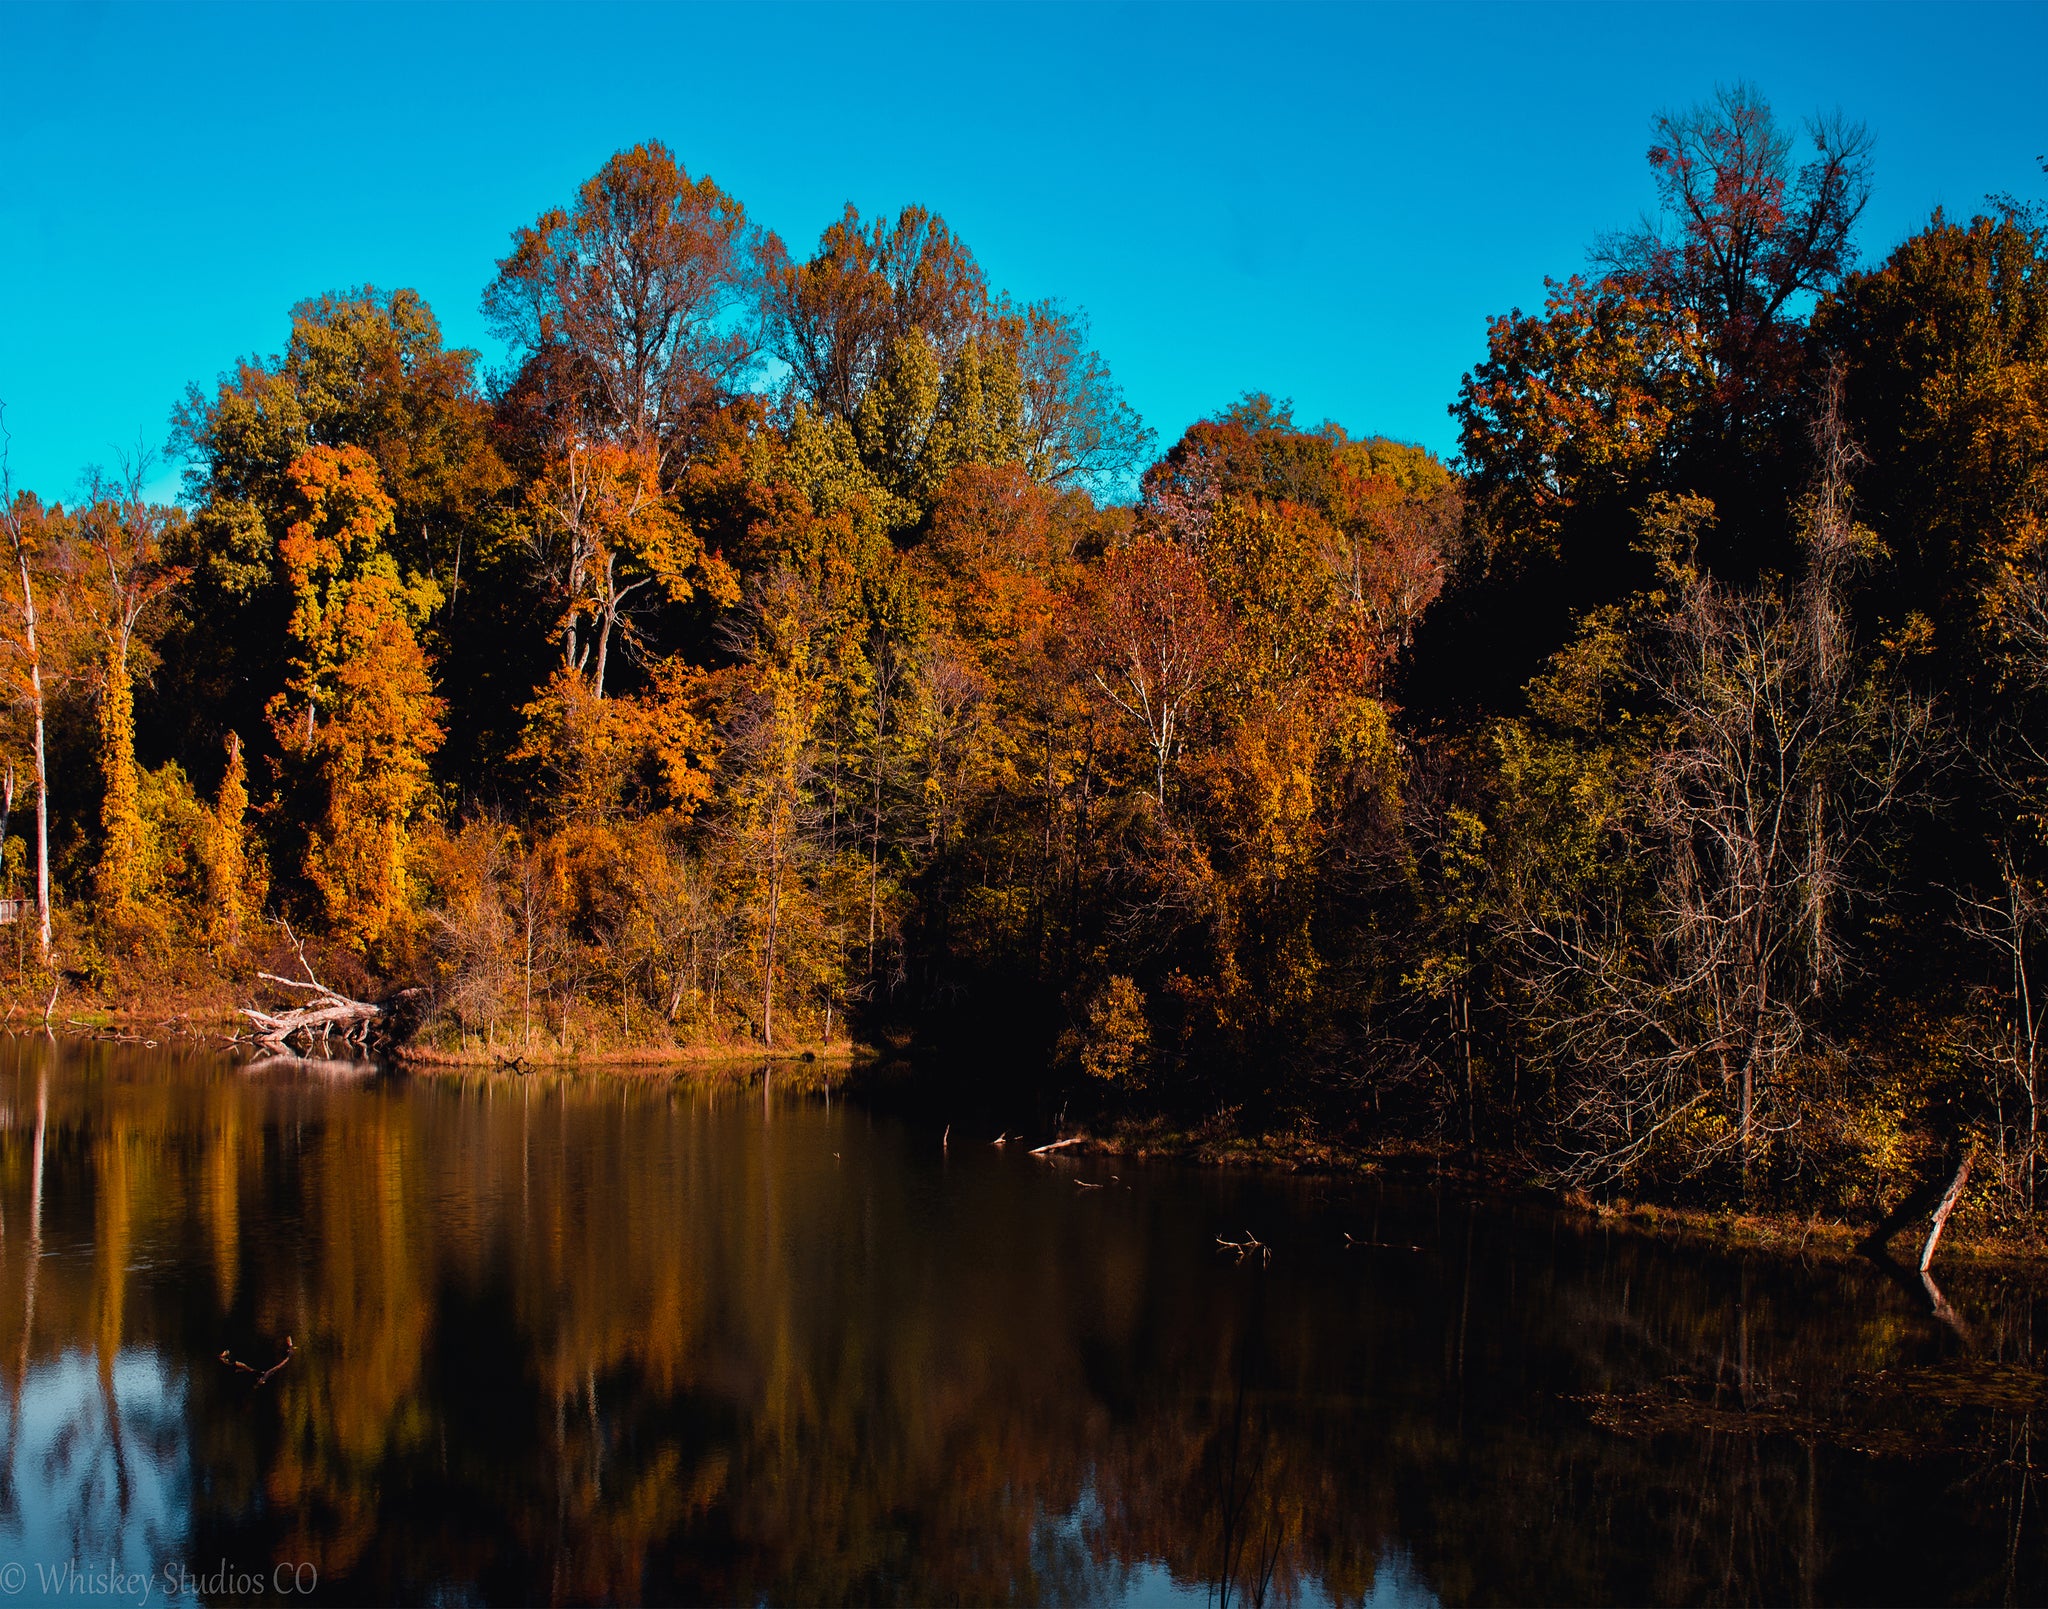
{"points": [[1948, 1205], [2026, 1035], [874, 882], [35, 677], [604, 639], [42, 822], [882, 680], [326, 1012], [768, 966], [2033, 1131], [1471, 1089], [1748, 1096]]}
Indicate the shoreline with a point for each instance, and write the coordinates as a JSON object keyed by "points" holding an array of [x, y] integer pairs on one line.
{"points": [[1727, 1228], [628, 1059], [224, 1027], [1777, 1232]]}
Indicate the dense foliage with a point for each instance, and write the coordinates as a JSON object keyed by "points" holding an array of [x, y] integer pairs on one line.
{"points": [[788, 648]]}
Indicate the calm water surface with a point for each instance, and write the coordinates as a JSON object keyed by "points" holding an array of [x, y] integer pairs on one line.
{"points": [[576, 1341]]}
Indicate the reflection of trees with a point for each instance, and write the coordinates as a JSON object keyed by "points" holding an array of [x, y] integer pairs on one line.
{"points": [[602, 1341], [91, 1422], [102, 1467], [31, 1255], [361, 1314]]}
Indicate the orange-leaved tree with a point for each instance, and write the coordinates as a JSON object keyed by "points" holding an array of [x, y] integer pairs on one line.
{"points": [[602, 533], [630, 300], [359, 719], [1156, 642], [1742, 237], [607, 540]]}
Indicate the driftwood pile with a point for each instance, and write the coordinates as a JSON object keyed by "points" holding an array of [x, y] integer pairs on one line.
{"points": [[327, 1016], [316, 1022]]}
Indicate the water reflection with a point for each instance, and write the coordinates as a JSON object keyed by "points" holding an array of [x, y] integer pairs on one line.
{"points": [[582, 1342], [96, 1464]]}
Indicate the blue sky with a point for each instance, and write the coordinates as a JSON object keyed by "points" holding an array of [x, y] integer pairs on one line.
{"points": [[1324, 202]]}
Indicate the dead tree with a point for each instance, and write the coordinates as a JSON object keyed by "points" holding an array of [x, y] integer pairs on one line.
{"points": [[1949, 1198], [1684, 1007], [327, 1015]]}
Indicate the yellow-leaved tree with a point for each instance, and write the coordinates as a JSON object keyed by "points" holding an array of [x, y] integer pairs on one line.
{"points": [[768, 758], [237, 879], [117, 572], [359, 718]]}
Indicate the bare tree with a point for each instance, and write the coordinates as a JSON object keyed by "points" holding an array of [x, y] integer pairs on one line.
{"points": [[1772, 767], [679, 902], [473, 930], [2005, 917], [2010, 923], [1078, 430]]}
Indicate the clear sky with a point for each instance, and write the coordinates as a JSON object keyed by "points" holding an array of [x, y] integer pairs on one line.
{"points": [[1323, 202]]}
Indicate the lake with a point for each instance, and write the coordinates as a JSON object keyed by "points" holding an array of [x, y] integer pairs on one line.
{"points": [[581, 1340]]}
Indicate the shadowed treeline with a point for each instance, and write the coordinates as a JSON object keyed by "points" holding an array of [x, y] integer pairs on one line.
{"points": [[569, 1341]]}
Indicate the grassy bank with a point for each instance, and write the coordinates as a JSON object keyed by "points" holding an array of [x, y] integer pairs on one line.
{"points": [[205, 998], [626, 1058]]}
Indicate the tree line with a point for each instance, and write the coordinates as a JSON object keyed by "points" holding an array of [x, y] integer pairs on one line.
{"points": [[781, 649]]}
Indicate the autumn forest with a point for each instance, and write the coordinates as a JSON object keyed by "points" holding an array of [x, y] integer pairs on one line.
{"points": [[801, 648]]}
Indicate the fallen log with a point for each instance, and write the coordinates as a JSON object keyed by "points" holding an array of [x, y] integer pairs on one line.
{"points": [[317, 1022], [1061, 1145]]}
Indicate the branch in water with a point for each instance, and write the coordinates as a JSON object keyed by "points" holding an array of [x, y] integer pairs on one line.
{"points": [[262, 1375]]}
